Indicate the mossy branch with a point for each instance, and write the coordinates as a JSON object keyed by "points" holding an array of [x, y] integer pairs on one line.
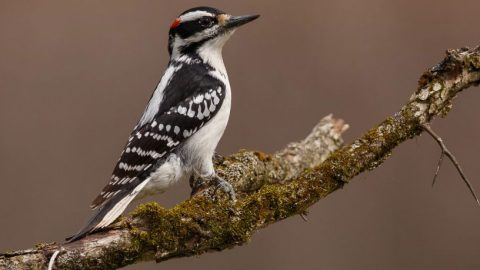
{"points": [[270, 187]]}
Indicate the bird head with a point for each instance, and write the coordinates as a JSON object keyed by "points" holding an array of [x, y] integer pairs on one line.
{"points": [[203, 27]]}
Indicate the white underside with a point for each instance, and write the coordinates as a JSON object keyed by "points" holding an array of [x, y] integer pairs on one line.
{"points": [[164, 177]]}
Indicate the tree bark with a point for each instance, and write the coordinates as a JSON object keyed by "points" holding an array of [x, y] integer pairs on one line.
{"points": [[270, 187]]}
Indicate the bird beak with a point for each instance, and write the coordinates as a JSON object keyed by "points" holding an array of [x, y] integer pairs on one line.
{"points": [[235, 21]]}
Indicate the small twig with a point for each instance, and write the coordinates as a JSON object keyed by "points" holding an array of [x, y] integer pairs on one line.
{"points": [[453, 159], [439, 164]]}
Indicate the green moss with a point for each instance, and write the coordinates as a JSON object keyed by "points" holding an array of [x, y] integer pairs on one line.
{"points": [[200, 224], [372, 149], [473, 61]]}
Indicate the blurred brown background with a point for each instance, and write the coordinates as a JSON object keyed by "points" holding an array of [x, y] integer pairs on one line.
{"points": [[76, 75]]}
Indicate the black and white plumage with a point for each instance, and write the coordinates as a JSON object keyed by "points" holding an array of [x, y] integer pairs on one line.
{"points": [[184, 120]]}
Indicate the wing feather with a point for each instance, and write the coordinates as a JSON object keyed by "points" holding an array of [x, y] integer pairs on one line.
{"points": [[151, 143]]}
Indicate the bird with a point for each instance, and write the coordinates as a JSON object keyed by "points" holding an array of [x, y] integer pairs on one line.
{"points": [[184, 120]]}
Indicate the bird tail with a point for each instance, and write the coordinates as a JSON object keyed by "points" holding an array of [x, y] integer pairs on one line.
{"points": [[110, 210]]}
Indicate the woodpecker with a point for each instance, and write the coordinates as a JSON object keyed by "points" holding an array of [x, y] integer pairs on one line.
{"points": [[183, 122]]}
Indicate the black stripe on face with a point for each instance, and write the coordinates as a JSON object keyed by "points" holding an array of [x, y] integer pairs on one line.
{"points": [[189, 28]]}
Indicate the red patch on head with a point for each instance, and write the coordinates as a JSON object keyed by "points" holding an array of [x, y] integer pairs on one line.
{"points": [[175, 23]]}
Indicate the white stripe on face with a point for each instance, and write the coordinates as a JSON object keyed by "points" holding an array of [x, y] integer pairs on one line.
{"points": [[191, 16]]}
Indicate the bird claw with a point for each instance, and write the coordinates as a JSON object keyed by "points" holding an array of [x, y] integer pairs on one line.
{"points": [[199, 182], [225, 187]]}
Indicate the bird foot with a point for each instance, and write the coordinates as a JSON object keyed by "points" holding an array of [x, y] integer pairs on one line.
{"points": [[200, 183], [225, 187]]}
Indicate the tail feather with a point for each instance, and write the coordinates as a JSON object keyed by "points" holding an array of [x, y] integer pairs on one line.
{"points": [[102, 216], [110, 210]]}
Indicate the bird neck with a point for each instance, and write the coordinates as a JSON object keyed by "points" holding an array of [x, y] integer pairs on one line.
{"points": [[212, 55], [209, 52]]}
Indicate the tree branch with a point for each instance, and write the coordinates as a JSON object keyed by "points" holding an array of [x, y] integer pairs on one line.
{"points": [[270, 187]]}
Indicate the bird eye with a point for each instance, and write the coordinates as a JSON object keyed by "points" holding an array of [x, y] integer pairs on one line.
{"points": [[206, 21]]}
